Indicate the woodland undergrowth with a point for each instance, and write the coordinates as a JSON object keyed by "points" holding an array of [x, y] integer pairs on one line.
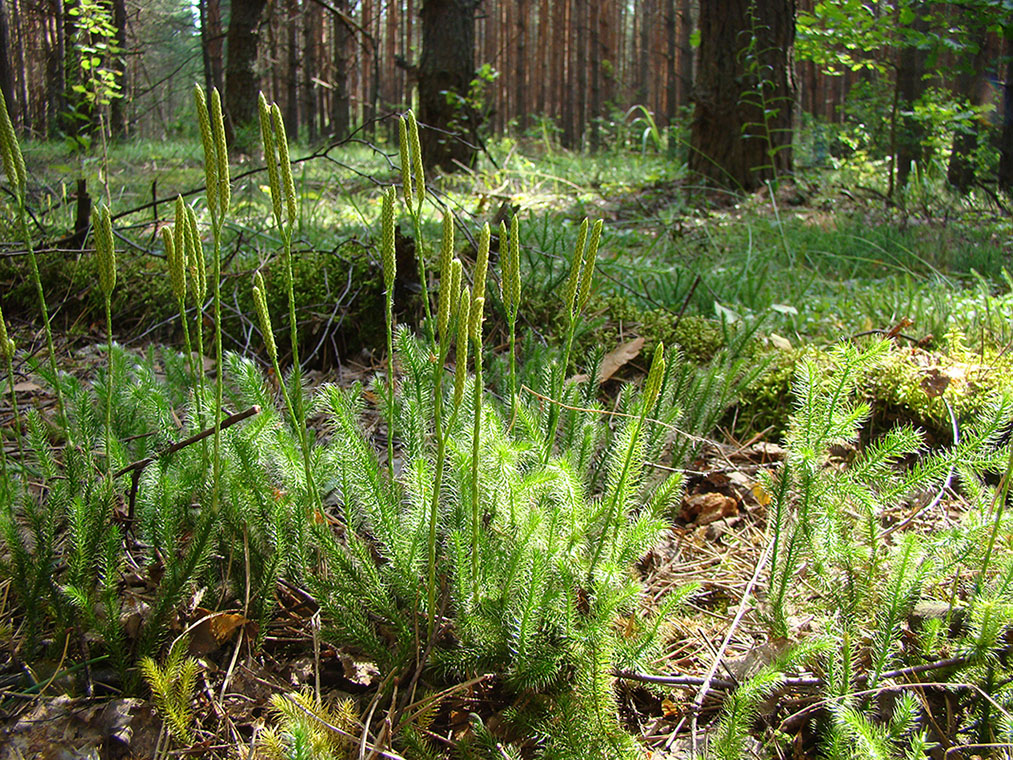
{"points": [[492, 540]]}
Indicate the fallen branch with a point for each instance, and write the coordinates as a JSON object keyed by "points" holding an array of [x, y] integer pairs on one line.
{"points": [[138, 467], [797, 682]]}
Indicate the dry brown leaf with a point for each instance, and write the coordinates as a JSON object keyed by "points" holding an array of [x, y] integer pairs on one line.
{"points": [[934, 382], [670, 709], [214, 630], [617, 358], [705, 508], [760, 494], [779, 342]]}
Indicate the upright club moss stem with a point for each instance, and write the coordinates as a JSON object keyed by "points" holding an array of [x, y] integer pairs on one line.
{"points": [[450, 285], [475, 317], [7, 351], [652, 389], [413, 183], [216, 168], [176, 256], [189, 236], [510, 290], [477, 307], [14, 168], [285, 205], [102, 233], [389, 260], [575, 294]]}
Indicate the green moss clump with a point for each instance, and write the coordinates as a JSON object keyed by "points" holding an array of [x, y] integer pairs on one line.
{"points": [[143, 296], [768, 402], [911, 386], [698, 338]]}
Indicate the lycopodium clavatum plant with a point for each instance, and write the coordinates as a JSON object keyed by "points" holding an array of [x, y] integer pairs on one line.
{"points": [[493, 552], [219, 195], [285, 206]]}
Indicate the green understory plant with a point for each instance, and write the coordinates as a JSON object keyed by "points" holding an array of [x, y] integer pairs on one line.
{"points": [[525, 552], [172, 685], [833, 558]]}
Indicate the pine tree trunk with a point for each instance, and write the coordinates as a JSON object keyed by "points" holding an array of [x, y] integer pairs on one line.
{"points": [[292, 69], [521, 66], [118, 105], [241, 85], [1006, 139], [446, 69], [737, 141], [215, 43], [6, 71], [311, 22], [971, 85], [910, 86], [340, 101]]}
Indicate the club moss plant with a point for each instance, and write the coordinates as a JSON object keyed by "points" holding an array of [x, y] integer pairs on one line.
{"points": [[504, 550]]}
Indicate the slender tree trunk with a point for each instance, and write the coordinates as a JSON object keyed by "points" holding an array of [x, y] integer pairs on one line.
{"points": [[202, 11], [340, 101], [392, 92], [1006, 138], [6, 70], [311, 22], [644, 15], [57, 65], [910, 86], [971, 85], [240, 73], [366, 65], [567, 81], [580, 60], [445, 73], [291, 21], [543, 77], [594, 59], [521, 28], [216, 43], [23, 114], [739, 140], [671, 62], [118, 105], [685, 52]]}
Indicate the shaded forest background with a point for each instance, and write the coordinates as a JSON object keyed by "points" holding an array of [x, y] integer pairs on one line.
{"points": [[577, 72]]}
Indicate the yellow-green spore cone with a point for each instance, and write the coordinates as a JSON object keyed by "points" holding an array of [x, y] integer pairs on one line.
{"points": [[207, 139], [652, 387], [388, 256], [6, 344], [404, 150], [175, 257], [481, 263], [461, 357], [418, 171], [195, 257], [270, 156], [221, 152], [576, 267], [264, 316], [102, 231], [10, 150], [284, 163], [587, 273], [450, 286]]}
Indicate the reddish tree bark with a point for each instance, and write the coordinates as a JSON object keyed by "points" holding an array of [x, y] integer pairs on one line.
{"points": [[736, 141], [446, 69], [241, 84]]}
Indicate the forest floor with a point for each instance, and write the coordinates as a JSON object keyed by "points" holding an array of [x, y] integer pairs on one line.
{"points": [[719, 539], [835, 266]]}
